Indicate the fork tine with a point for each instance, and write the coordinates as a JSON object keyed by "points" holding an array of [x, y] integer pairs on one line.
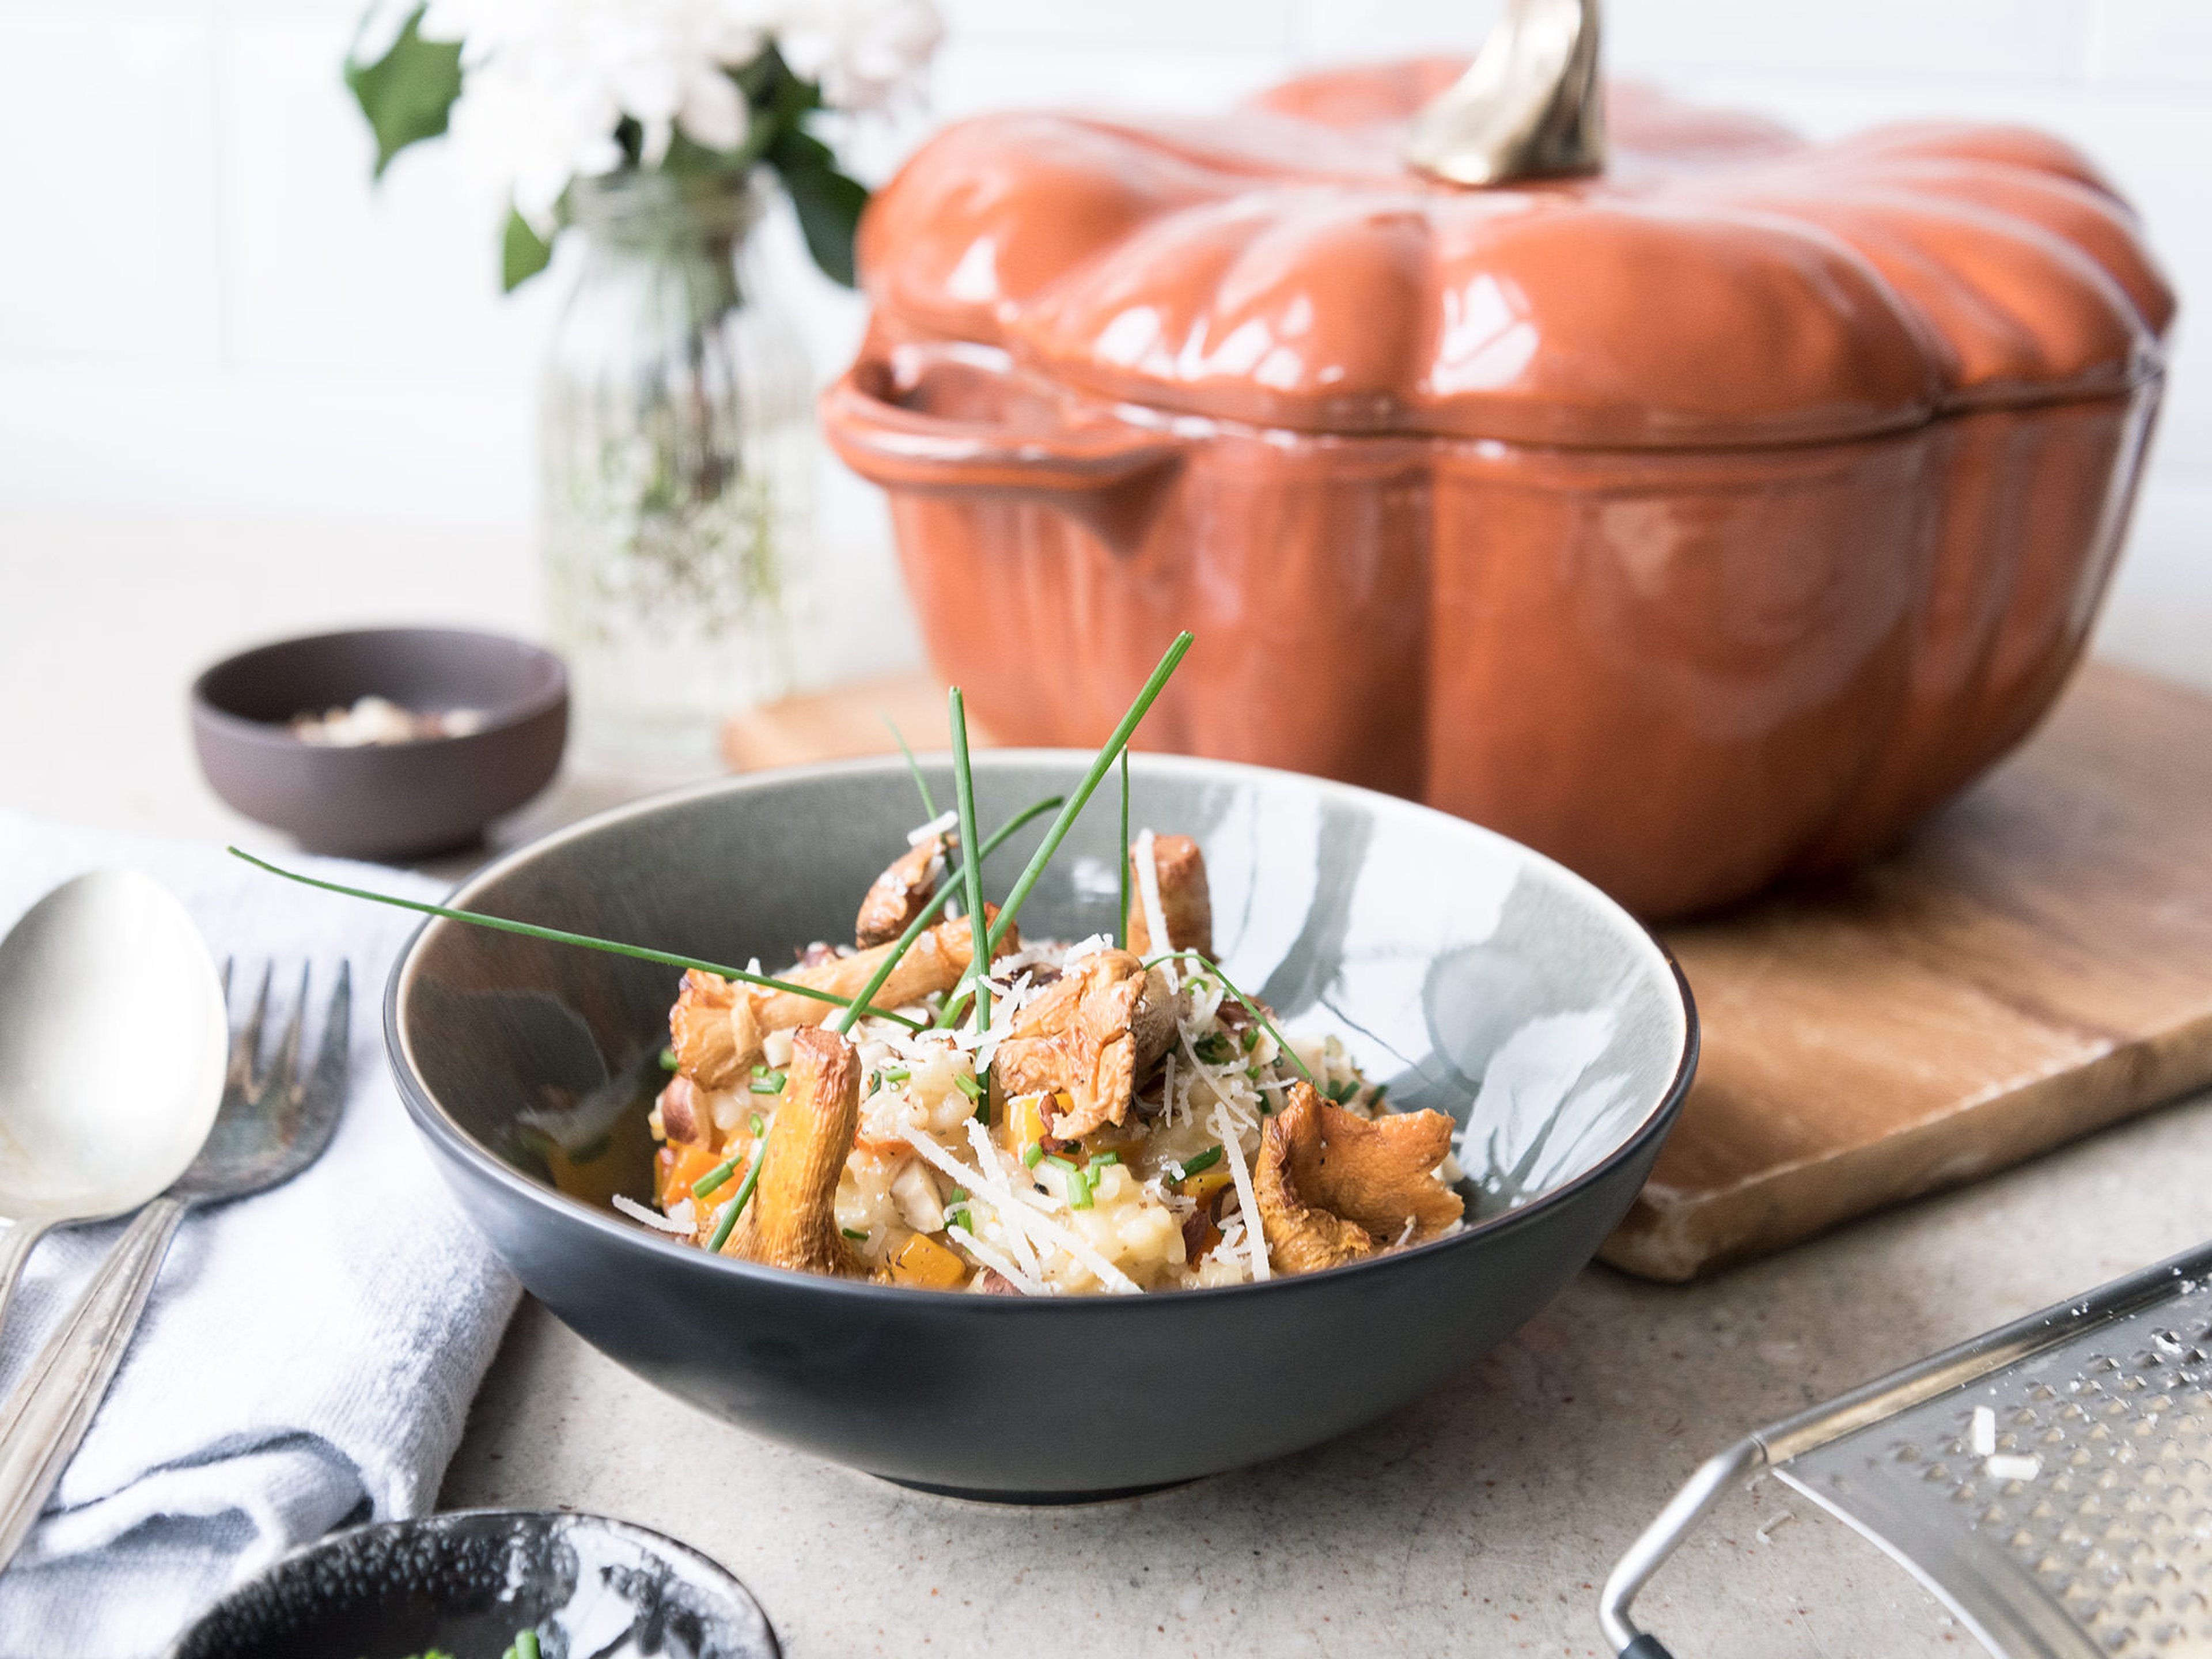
{"points": [[246, 1047], [277, 1084], [338, 1022], [324, 1092]]}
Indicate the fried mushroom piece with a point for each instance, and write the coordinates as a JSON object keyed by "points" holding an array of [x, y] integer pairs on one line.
{"points": [[792, 1221], [716, 1027], [1186, 903], [1103, 1023], [896, 898], [1333, 1187], [713, 1030], [932, 964], [683, 1120]]}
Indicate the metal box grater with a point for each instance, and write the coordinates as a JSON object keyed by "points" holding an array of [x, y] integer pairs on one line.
{"points": [[2084, 1531]]}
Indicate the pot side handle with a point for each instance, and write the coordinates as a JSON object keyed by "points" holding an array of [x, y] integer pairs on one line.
{"points": [[966, 427]]}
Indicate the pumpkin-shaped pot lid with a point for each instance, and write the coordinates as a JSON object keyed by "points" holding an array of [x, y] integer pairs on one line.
{"points": [[1721, 282]]}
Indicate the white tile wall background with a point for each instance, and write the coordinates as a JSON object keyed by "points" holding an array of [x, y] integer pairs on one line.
{"points": [[207, 313]]}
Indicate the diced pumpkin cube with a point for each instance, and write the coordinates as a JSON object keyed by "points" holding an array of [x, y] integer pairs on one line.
{"points": [[676, 1167], [1025, 1125], [922, 1262], [1205, 1184]]}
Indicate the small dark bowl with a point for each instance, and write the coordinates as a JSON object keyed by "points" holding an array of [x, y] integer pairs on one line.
{"points": [[1475, 976], [467, 1582], [395, 801]]}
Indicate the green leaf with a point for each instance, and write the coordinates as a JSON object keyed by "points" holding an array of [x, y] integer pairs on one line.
{"points": [[408, 94], [523, 253], [827, 202], [692, 159]]}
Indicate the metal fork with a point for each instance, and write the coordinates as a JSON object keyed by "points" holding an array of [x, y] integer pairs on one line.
{"points": [[272, 1124]]}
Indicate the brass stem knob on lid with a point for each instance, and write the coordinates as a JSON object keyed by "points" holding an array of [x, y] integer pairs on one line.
{"points": [[1527, 107]]}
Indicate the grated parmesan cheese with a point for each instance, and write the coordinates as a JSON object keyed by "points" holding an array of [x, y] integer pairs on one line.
{"points": [[653, 1218], [1001, 1191], [1027, 1213], [944, 821], [1246, 1200], [997, 1263], [1155, 915], [1086, 947]]}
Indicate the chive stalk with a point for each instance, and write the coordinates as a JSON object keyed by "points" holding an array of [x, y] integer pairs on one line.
{"points": [[1076, 802], [1204, 1161], [713, 1181], [1114, 745], [914, 766], [1122, 861], [843, 1023], [857, 1007], [771, 1083], [1250, 1007], [963, 788]]}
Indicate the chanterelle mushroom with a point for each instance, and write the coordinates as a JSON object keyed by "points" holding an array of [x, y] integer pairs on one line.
{"points": [[713, 1030], [792, 1221], [1186, 903], [1333, 1186], [716, 1027], [1094, 1031], [900, 892]]}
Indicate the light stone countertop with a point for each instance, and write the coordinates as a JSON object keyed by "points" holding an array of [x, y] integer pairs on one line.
{"points": [[1478, 1521]]}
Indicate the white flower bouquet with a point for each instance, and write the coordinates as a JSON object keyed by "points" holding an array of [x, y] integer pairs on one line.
{"points": [[538, 92]]}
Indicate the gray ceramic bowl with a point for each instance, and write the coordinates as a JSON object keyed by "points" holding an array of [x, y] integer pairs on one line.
{"points": [[394, 802], [1477, 977], [467, 1582]]}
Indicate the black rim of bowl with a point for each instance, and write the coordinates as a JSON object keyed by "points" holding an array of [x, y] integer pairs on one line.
{"points": [[648, 1537], [502, 719], [431, 1119]]}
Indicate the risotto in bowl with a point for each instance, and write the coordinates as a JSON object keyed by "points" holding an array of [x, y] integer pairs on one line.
{"points": [[1277, 1105]]}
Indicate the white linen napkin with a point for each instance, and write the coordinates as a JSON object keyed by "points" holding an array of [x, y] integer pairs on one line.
{"points": [[308, 1354]]}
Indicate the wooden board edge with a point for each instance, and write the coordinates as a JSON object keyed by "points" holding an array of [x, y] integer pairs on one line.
{"points": [[1675, 1240]]}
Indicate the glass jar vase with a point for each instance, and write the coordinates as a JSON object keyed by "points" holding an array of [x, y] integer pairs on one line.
{"points": [[677, 446]]}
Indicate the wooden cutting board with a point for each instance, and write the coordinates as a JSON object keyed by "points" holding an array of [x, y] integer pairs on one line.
{"points": [[2034, 963]]}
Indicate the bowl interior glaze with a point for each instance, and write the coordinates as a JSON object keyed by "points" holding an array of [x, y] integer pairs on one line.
{"points": [[1476, 977]]}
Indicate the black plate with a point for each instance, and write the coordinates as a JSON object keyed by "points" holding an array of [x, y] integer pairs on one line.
{"points": [[468, 1582]]}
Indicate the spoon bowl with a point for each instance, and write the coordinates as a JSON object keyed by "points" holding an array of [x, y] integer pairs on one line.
{"points": [[106, 971]]}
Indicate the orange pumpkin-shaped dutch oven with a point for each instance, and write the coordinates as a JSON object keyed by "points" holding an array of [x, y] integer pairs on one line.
{"points": [[1699, 520]]}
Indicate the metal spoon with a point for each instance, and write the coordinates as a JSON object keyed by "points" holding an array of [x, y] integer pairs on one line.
{"points": [[112, 1044]]}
